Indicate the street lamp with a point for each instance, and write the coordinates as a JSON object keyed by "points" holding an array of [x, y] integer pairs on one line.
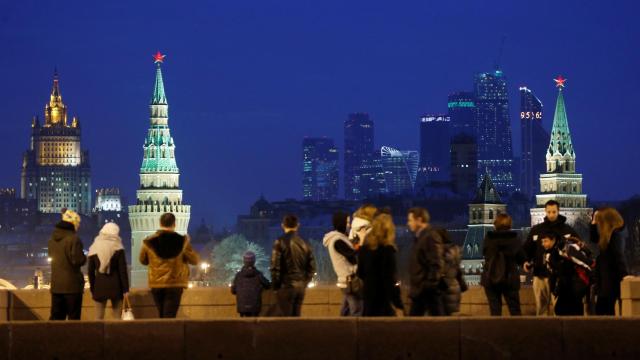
{"points": [[204, 269]]}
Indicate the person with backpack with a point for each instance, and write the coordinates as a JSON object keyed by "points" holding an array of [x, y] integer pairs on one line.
{"points": [[247, 286], [453, 283], [569, 264], [556, 224], [503, 254], [426, 266]]}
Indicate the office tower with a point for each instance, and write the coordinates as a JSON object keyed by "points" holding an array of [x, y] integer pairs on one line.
{"points": [[534, 141], [319, 169], [358, 150]]}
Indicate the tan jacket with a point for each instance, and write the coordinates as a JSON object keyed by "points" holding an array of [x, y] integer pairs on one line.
{"points": [[168, 255]]}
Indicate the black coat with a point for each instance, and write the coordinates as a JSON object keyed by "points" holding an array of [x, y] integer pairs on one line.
{"points": [[533, 245], [109, 286], [507, 243], [292, 262], [378, 271], [426, 263], [611, 265], [453, 281], [247, 286], [67, 259]]}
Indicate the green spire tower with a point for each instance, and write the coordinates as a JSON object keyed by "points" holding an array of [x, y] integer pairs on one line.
{"points": [[561, 182], [159, 180]]}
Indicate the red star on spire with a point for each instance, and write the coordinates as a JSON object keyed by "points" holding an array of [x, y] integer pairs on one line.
{"points": [[158, 57], [560, 81]]}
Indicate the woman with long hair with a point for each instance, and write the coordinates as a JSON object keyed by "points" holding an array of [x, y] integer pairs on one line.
{"points": [[611, 267], [377, 268]]}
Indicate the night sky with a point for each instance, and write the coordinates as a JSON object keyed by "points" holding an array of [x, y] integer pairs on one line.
{"points": [[247, 80]]}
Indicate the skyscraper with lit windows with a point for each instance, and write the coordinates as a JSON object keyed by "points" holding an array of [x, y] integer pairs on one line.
{"points": [[495, 150], [55, 169], [358, 152], [435, 160], [534, 141], [319, 169]]}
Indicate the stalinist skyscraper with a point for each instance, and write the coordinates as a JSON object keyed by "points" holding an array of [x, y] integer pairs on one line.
{"points": [[159, 180], [561, 182]]}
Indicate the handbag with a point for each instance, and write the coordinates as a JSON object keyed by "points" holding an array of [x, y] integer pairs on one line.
{"points": [[127, 310], [354, 285]]}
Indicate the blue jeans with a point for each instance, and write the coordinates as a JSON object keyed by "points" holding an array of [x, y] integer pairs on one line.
{"points": [[351, 305]]}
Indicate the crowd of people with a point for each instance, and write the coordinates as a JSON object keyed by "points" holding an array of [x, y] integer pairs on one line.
{"points": [[567, 278]]}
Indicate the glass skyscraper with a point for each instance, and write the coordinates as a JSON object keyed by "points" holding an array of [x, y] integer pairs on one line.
{"points": [[535, 140], [462, 112], [464, 164], [495, 150], [399, 169], [358, 152], [319, 169], [435, 160]]}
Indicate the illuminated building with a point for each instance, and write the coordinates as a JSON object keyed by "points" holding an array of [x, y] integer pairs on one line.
{"points": [[159, 190], [358, 152], [534, 141], [319, 169], [435, 159], [560, 182], [495, 152], [55, 169], [400, 169], [462, 112]]}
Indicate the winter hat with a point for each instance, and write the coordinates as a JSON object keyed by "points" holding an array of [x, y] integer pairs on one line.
{"points": [[249, 258], [110, 229], [71, 216]]}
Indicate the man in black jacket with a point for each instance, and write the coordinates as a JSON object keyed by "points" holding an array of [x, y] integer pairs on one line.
{"points": [[556, 224], [426, 266], [292, 268]]}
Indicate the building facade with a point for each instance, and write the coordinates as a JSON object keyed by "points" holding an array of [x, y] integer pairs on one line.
{"points": [[435, 158], [55, 169], [560, 182], [358, 151], [464, 164], [400, 168], [535, 140], [159, 190], [320, 172], [495, 150], [461, 108]]}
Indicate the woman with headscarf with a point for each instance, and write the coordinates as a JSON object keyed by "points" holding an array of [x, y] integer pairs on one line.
{"points": [[108, 271]]}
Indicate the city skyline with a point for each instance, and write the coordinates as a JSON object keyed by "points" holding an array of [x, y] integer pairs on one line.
{"points": [[109, 95]]}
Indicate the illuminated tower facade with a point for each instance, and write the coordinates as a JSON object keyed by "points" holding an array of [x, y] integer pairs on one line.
{"points": [[55, 169], [560, 182], [534, 141], [159, 190]]}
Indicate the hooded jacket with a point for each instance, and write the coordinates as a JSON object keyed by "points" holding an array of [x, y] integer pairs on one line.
{"points": [[533, 245], [453, 279], [67, 259], [168, 255], [247, 286], [507, 243], [342, 254]]}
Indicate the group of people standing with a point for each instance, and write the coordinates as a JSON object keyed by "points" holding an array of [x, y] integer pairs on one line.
{"points": [[167, 254], [567, 278]]}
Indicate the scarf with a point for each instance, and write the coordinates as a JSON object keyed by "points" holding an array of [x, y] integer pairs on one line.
{"points": [[105, 245]]}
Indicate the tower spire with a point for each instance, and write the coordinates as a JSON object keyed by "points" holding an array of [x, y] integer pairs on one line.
{"points": [[560, 154], [55, 110], [159, 97]]}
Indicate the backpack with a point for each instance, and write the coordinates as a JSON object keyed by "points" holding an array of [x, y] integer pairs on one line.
{"points": [[496, 269]]}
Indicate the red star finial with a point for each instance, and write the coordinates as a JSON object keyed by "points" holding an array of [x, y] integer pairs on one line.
{"points": [[158, 57], [560, 81]]}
